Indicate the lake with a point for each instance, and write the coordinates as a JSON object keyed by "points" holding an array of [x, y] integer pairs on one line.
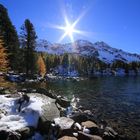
{"points": [[114, 99]]}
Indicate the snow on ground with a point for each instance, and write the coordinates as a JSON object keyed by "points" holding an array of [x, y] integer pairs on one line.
{"points": [[11, 119]]}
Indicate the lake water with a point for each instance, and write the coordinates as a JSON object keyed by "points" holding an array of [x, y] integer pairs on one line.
{"points": [[114, 99]]}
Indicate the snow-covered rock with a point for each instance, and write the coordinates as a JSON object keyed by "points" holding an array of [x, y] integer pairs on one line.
{"points": [[14, 120], [30, 112], [64, 123]]}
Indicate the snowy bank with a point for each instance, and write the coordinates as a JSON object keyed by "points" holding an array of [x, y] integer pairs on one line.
{"points": [[11, 119], [48, 116]]}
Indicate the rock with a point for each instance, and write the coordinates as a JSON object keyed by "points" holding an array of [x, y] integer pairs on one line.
{"points": [[92, 127], [49, 112], [75, 134], [15, 78], [79, 117], [66, 132], [113, 132], [77, 126], [46, 92], [64, 123], [88, 112], [26, 132], [67, 138], [44, 126], [5, 135], [63, 102], [110, 133], [84, 136], [6, 91], [2, 112], [86, 130], [89, 124]]}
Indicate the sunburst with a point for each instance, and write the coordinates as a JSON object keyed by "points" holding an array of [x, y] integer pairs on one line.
{"points": [[69, 28]]}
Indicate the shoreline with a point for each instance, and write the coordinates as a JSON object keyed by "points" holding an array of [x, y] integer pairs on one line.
{"points": [[79, 113]]}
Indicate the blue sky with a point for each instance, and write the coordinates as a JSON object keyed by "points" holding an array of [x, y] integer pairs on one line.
{"points": [[116, 22]]}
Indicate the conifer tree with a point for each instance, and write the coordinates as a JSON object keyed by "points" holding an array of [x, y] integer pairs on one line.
{"points": [[28, 43], [10, 38]]}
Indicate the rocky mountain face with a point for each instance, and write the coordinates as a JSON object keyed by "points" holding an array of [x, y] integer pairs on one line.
{"points": [[102, 50]]}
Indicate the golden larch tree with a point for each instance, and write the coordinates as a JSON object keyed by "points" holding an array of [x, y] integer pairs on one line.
{"points": [[41, 66], [3, 58]]}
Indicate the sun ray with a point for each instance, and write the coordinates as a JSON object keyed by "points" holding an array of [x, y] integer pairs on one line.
{"points": [[62, 37], [70, 28]]}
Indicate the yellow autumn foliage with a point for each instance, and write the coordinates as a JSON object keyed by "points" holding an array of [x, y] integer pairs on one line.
{"points": [[41, 66], [3, 58]]}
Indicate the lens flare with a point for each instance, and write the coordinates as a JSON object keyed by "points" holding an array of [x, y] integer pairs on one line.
{"points": [[70, 28]]}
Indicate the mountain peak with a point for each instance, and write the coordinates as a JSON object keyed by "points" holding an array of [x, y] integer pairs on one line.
{"points": [[106, 53]]}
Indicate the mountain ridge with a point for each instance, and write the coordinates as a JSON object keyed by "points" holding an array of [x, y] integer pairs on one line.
{"points": [[106, 53]]}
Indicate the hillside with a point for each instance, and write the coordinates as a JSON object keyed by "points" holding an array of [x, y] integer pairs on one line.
{"points": [[105, 52]]}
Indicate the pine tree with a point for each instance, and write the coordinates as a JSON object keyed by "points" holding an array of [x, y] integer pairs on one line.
{"points": [[3, 58], [28, 43], [10, 38], [41, 66], [65, 60]]}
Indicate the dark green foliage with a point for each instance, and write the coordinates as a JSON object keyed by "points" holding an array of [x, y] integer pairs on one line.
{"points": [[10, 38], [65, 60], [28, 44], [86, 65]]}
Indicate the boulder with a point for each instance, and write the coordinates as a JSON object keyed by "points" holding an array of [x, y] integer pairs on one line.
{"points": [[9, 135], [84, 136], [49, 113], [26, 132], [64, 123], [89, 124], [91, 127], [109, 133], [46, 92], [79, 117], [67, 138], [63, 102], [66, 132]]}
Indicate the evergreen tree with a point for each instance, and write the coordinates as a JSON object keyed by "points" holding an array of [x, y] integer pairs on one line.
{"points": [[10, 38], [41, 66], [3, 58], [65, 60], [28, 43]]}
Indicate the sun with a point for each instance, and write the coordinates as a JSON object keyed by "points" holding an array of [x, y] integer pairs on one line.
{"points": [[69, 28]]}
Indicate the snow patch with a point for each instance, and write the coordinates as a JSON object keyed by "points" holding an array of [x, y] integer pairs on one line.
{"points": [[13, 120]]}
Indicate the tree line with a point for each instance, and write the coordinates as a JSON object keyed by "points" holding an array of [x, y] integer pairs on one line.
{"points": [[85, 65], [18, 51]]}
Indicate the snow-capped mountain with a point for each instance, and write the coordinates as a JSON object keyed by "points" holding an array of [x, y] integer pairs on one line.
{"points": [[105, 53], [109, 54], [80, 47]]}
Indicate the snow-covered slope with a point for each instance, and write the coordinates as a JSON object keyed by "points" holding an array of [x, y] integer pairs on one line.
{"points": [[105, 53], [109, 54], [80, 47]]}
